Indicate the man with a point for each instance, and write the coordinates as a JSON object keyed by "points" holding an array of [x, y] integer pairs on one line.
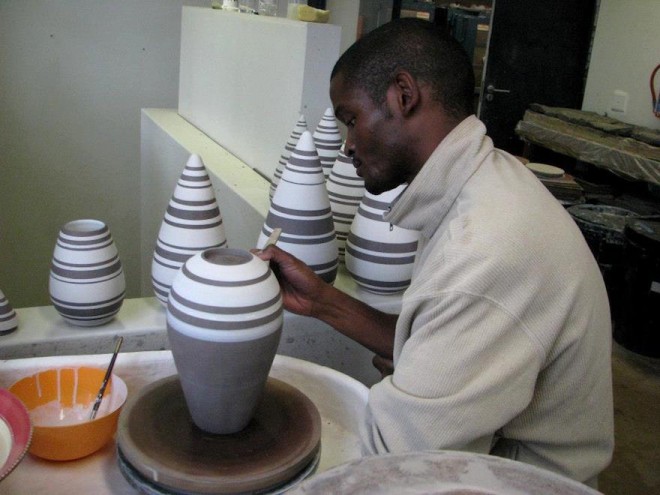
{"points": [[503, 341]]}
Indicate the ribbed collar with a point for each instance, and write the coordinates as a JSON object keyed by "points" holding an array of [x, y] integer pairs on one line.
{"points": [[427, 199]]}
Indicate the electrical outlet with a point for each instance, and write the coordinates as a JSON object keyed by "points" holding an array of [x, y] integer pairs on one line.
{"points": [[619, 101]]}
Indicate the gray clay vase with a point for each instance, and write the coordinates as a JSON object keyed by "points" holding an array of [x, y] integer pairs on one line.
{"points": [[224, 321]]}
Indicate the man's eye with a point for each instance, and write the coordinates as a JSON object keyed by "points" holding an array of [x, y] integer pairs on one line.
{"points": [[350, 123]]}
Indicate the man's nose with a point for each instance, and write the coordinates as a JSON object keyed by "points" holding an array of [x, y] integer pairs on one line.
{"points": [[349, 147]]}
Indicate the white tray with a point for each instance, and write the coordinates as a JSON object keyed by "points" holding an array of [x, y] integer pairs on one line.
{"points": [[339, 398]]}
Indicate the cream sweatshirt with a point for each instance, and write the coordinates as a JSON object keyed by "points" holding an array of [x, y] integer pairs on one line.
{"points": [[503, 342]]}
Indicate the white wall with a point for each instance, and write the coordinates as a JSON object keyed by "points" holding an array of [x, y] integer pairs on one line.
{"points": [[246, 79], [626, 49], [74, 75]]}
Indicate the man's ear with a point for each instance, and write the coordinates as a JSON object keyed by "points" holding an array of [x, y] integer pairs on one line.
{"points": [[407, 92]]}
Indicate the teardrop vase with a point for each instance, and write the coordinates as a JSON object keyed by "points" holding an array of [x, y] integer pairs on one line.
{"points": [[86, 283], [8, 318], [300, 127], [345, 190], [301, 208], [327, 140], [380, 256], [192, 223]]}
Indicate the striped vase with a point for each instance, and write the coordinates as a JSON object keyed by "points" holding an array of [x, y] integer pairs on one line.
{"points": [[380, 256], [327, 140], [86, 283], [8, 318], [192, 223], [224, 322], [301, 208], [345, 190], [301, 126]]}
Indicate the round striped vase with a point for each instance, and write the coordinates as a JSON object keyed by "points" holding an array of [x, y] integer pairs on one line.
{"points": [[380, 256], [8, 318], [301, 208], [327, 140], [300, 127], [192, 223], [86, 283], [345, 190], [224, 321]]}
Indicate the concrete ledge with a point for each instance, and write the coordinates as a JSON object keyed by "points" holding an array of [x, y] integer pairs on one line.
{"points": [[43, 332]]}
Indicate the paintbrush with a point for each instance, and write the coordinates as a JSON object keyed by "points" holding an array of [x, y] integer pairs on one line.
{"points": [[106, 378]]}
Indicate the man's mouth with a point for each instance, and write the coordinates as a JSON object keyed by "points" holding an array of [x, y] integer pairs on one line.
{"points": [[357, 164]]}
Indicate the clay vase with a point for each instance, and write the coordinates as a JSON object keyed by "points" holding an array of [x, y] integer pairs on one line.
{"points": [[86, 283], [192, 223], [301, 208], [8, 318], [327, 140], [224, 321], [300, 127], [345, 190], [380, 256]]}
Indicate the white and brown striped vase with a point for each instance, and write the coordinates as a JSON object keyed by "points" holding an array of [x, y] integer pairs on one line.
{"points": [[224, 322], [345, 190], [327, 140], [300, 127], [380, 256], [8, 318], [86, 283], [192, 223], [301, 208]]}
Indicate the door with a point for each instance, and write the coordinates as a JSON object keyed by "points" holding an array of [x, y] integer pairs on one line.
{"points": [[537, 53]]}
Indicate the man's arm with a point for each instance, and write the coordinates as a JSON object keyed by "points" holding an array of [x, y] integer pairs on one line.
{"points": [[305, 293]]}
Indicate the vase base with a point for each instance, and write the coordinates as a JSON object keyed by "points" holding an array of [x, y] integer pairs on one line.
{"points": [[89, 323]]}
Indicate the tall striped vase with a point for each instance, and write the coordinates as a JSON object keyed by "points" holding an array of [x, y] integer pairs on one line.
{"points": [[300, 127], [224, 322], [380, 256], [327, 140], [345, 190], [8, 318], [192, 223], [86, 283], [301, 208]]}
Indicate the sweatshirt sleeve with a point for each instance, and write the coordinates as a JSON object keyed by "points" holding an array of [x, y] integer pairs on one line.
{"points": [[466, 368]]}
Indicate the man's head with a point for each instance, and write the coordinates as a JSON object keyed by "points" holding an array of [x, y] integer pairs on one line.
{"points": [[418, 47], [400, 90]]}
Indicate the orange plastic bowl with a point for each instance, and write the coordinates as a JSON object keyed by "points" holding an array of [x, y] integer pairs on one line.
{"points": [[59, 402]]}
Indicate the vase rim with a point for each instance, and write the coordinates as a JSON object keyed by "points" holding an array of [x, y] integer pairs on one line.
{"points": [[84, 226], [227, 256]]}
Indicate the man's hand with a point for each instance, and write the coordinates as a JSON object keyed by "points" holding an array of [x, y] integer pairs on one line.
{"points": [[301, 287], [305, 293]]}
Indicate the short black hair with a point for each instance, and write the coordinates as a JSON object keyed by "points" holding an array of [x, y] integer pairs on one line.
{"points": [[428, 52]]}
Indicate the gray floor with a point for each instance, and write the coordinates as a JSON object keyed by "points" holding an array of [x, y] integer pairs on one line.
{"points": [[635, 468]]}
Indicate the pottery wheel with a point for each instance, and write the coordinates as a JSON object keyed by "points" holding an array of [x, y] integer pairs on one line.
{"points": [[158, 438]]}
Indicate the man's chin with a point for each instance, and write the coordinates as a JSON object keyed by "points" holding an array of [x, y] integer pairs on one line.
{"points": [[378, 188]]}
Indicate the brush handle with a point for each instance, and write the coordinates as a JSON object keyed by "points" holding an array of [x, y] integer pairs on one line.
{"points": [[106, 379]]}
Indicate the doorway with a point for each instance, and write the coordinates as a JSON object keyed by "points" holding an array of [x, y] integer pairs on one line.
{"points": [[537, 51]]}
